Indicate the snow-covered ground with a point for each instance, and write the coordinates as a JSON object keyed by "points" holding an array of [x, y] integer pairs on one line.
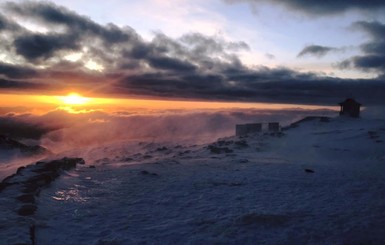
{"points": [[318, 183]]}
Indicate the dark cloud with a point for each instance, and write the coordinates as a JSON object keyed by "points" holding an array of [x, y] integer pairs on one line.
{"points": [[3, 23], [365, 62], [316, 7], [37, 46], [52, 14], [375, 29], [203, 45], [171, 64], [16, 127], [375, 47], [373, 58], [315, 50], [8, 25], [14, 71], [268, 85], [194, 66], [14, 84]]}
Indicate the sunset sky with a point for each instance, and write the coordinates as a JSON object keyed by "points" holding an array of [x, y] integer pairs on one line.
{"points": [[292, 51]]}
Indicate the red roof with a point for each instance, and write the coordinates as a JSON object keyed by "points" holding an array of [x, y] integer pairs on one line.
{"points": [[349, 101]]}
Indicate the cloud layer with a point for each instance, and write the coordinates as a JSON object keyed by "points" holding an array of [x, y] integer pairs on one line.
{"points": [[60, 49], [315, 50], [315, 7], [373, 57]]}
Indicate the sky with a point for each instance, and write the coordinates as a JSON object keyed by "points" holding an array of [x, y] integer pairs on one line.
{"points": [[292, 51]]}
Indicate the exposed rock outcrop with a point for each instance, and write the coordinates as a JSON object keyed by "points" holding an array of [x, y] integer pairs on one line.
{"points": [[7, 143], [21, 191], [29, 180]]}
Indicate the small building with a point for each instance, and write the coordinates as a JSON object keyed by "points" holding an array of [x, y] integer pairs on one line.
{"points": [[350, 107], [252, 128], [244, 129]]}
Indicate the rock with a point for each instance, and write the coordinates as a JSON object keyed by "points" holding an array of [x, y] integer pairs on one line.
{"points": [[307, 170], [145, 172], [19, 170], [224, 142], [42, 179], [10, 144], [43, 174], [26, 198], [9, 179], [241, 143], [162, 148], [218, 150], [31, 188], [62, 164], [32, 234], [4, 185], [27, 210]]}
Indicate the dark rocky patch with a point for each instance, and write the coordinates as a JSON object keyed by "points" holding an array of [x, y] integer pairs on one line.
{"points": [[162, 148], [127, 159], [28, 181], [19, 170], [241, 144], [26, 198], [224, 142], [218, 150], [184, 152], [307, 119], [33, 178], [32, 234], [145, 172], [7, 143], [27, 210], [4, 185]]}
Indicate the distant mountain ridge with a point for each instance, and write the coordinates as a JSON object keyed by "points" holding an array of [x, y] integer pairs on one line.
{"points": [[7, 143]]}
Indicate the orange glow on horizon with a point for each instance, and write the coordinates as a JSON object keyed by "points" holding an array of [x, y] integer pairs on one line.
{"points": [[75, 102]]}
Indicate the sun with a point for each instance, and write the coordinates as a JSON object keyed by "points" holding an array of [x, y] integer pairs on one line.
{"points": [[74, 99]]}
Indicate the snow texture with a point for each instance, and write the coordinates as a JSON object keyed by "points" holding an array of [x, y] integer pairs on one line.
{"points": [[317, 182]]}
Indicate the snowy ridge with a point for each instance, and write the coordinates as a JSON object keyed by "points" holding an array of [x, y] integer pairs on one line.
{"points": [[14, 154], [321, 182], [19, 193]]}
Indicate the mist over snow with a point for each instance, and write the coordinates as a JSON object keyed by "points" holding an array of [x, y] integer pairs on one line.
{"points": [[60, 130]]}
